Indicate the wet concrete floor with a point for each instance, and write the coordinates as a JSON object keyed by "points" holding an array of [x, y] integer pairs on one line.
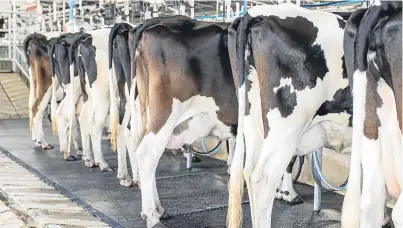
{"points": [[194, 199]]}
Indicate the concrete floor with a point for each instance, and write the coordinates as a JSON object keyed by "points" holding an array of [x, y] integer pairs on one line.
{"points": [[13, 96], [194, 199]]}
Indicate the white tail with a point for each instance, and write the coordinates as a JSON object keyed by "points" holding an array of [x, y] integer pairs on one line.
{"points": [[352, 201], [236, 181], [72, 108], [53, 106]]}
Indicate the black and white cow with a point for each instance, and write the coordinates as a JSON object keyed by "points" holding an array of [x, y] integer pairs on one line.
{"points": [[61, 83], [288, 66], [89, 51], [120, 83], [373, 53], [182, 72]]}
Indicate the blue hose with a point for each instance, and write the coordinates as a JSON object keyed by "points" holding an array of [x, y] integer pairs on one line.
{"points": [[319, 178]]}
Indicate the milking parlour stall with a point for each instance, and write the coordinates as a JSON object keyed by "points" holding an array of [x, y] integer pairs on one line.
{"points": [[201, 113]]}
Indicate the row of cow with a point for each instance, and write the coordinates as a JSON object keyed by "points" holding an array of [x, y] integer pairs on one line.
{"points": [[276, 83]]}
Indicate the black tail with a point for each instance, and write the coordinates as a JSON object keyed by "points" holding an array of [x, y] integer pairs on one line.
{"points": [[242, 38], [52, 50], [28, 40], [370, 19], [76, 42], [116, 29]]}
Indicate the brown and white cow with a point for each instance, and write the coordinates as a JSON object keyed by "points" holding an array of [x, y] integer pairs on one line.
{"points": [[287, 63], [182, 72], [40, 79], [373, 53]]}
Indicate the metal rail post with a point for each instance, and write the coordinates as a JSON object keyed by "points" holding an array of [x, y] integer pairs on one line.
{"points": [[64, 14], [9, 35], [189, 158], [317, 194], [237, 9], [14, 42], [192, 10], [50, 17]]}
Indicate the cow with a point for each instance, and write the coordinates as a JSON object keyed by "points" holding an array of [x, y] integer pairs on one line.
{"points": [[373, 54], [288, 68], [119, 64], [89, 52], [40, 80], [62, 81], [181, 70]]}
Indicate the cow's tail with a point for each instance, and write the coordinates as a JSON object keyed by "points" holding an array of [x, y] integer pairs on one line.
{"points": [[370, 19], [31, 99], [236, 182], [53, 107], [55, 83], [114, 111]]}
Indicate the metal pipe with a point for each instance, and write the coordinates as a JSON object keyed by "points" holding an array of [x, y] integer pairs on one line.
{"points": [[21, 69], [14, 44], [64, 13], [237, 9], [80, 5], [317, 195], [189, 158], [192, 10], [9, 35], [50, 18]]}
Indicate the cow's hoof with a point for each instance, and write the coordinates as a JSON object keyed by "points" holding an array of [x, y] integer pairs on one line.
{"points": [[160, 225], [164, 216], [79, 156], [126, 183], [36, 143], [47, 147], [196, 159], [90, 164], [71, 158], [136, 183], [107, 169], [297, 200]]}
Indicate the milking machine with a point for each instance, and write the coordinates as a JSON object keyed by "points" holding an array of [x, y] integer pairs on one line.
{"points": [[205, 152], [321, 184]]}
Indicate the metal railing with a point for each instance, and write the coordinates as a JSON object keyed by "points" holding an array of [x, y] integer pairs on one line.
{"points": [[15, 34]]}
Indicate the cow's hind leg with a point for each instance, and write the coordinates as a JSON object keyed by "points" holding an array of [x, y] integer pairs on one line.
{"points": [[123, 172], [148, 154], [373, 190], [99, 115], [88, 156], [38, 120], [253, 147], [287, 191], [77, 138], [276, 155]]}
